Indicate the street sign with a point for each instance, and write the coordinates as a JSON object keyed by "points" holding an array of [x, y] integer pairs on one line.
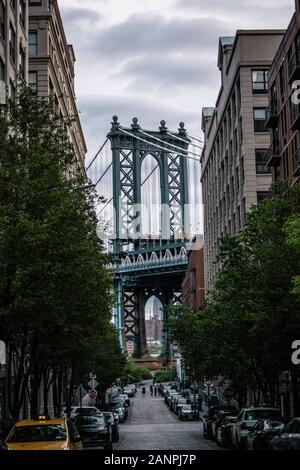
{"points": [[93, 383], [228, 394], [93, 394], [208, 383]]}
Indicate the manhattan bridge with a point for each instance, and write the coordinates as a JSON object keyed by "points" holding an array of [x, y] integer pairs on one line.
{"points": [[151, 184]]}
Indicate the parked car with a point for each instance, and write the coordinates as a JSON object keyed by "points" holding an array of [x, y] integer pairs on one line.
{"points": [[224, 433], [179, 403], [173, 401], [117, 408], [186, 413], [79, 409], [210, 419], [262, 433], [247, 418], [94, 431], [113, 421], [219, 417], [133, 388], [129, 391], [44, 434], [289, 438], [125, 397], [169, 395]]}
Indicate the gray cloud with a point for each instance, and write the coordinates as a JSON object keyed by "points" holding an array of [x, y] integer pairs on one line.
{"points": [[164, 71], [154, 34], [241, 8], [79, 18], [97, 112]]}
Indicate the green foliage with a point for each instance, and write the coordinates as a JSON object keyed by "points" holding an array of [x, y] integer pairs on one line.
{"points": [[55, 292], [135, 374], [253, 315], [293, 239], [163, 376]]}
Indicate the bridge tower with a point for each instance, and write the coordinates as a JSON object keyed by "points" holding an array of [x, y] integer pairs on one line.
{"points": [[145, 266]]}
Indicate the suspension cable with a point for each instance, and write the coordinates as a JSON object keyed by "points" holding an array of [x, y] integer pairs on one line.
{"points": [[182, 140], [167, 143], [97, 154], [150, 174], [158, 146], [103, 209], [148, 177], [103, 174], [195, 138]]}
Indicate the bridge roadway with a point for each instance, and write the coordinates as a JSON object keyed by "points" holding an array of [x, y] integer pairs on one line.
{"points": [[152, 426]]}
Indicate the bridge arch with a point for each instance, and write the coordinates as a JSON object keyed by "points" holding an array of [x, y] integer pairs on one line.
{"points": [[154, 325], [151, 195]]}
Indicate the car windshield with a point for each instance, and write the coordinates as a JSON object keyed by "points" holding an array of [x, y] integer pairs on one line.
{"points": [[182, 401], [255, 415], [89, 421], [186, 408], [42, 433], [231, 420], [86, 410], [108, 417]]}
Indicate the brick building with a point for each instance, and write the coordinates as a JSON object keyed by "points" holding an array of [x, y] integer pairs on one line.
{"points": [[51, 67], [234, 175], [283, 116], [193, 286], [13, 45]]}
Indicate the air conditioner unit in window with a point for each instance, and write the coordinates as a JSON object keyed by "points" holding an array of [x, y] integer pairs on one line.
{"points": [[2, 92]]}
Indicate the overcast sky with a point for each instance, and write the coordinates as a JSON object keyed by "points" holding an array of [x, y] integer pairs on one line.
{"points": [[154, 59]]}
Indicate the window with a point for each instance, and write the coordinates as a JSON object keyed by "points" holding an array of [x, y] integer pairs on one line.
{"points": [[241, 131], [260, 82], [259, 119], [2, 20], [237, 178], [235, 141], [242, 169], [12, 43], [2, 70], [12, 92], [282, 80], [22, 12], [32, 41], [261, 167], [22, 61], [239, 222], [32, 80], [262, 196], [238, 96], [35, 3]]}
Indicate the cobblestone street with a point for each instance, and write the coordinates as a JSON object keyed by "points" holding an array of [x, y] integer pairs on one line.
{"points": [[152, 426]]}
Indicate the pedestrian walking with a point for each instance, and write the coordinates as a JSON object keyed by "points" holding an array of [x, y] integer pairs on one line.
{"points": [[144, 391], [155, 391], [151, 390]]}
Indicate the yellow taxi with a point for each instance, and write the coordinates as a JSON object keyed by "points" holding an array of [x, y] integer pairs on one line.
{"points": [[44, 434]]}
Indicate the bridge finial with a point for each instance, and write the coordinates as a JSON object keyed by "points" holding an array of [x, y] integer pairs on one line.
{"points": [[135, 126], [163, 127], [115, 123], [182, 130]]}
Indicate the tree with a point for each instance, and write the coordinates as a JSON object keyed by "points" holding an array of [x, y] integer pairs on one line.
{"points": [[56, 296], [293, 240], [252, 316]]}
